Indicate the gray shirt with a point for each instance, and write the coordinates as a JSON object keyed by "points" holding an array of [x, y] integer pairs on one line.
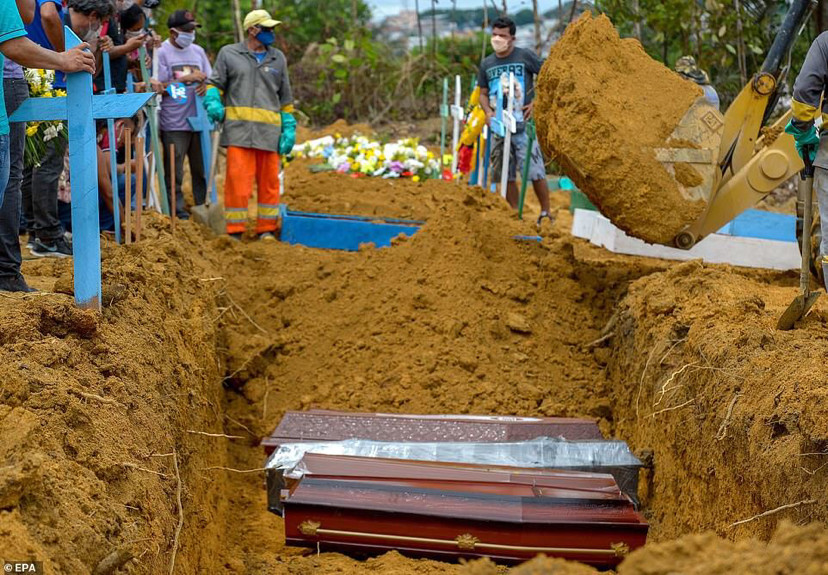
{"points": [[255, 94], [525, 64]]}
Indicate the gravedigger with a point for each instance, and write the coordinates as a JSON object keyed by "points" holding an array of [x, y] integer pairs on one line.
{"points": [[740, 155]]}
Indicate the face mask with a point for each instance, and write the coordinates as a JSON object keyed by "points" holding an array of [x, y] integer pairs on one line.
{"points": [[184, 39], [129, 34], [266, 37], [124, 4], [499, 44], [92, 35]]}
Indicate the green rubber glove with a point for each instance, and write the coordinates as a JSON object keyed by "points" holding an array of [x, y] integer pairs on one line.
{"points": [[806, 139], [288, 138], [213, 105]]}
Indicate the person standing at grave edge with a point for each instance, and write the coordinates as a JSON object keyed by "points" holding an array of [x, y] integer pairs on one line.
{"points": [[493, 79], [259, 124], [40, 182], [183, 68], [15, 45]]}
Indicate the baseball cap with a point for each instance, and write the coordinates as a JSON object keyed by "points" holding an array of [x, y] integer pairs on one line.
{"points": [[259, 18], [182, 20]]}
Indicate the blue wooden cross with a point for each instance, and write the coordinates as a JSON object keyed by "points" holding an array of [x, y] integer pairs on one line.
{"points": [[200, 123], [79, 109]]}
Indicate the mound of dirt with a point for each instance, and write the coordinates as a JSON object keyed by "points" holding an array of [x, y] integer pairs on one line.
{"points": [[340, 127], [334, 193], [697, 361], [681, 360], [602, 105], [792, 549], [94, 408]]}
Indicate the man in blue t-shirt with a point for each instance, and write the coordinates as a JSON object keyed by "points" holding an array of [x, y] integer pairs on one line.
{"points": [[493, 79], [15, 45]]}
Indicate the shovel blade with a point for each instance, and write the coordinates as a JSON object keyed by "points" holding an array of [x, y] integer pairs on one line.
{"points": [[797, 310], [211, 216]]}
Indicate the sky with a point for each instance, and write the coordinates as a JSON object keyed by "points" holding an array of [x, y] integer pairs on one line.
{"points": [[383, 8]]}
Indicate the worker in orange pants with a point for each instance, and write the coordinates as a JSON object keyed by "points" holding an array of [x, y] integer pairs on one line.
{"points": [[251, 77], [244, 166]]}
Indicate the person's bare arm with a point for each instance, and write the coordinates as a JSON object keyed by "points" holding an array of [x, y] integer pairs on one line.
{"points": [[26, 8], [117, 51], [28, 54], [53, 26], [484, 103]]}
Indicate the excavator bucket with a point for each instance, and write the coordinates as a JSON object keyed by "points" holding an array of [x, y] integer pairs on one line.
{"points": [[692, 150]]}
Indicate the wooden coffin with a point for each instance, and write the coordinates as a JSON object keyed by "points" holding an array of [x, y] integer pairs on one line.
{"points": [[322, 425], [567, 484], [445, 512]]}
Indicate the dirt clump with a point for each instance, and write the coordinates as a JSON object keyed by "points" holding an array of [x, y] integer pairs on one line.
{"points": [[792, 549], [602, 106], [334, 193]]}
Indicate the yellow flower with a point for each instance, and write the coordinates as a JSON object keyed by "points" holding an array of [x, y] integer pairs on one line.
{"points": [[47, 95], [415, 179], [31, 130], [61, 93], [430, 155]]}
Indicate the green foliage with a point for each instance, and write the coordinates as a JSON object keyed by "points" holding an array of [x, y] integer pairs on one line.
{"points": [[707, 30], [358, 79], [303, 21]]}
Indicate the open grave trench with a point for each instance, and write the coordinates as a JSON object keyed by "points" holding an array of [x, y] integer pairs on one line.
{"points": [[121, 446]]}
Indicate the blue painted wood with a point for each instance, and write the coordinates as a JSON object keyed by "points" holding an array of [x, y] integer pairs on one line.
{"points": [[476, 170], [103, 107], [80, 109], [83, 163], [336, 232], [340, 232], [201, 124], [763, 225], [113, 152]]}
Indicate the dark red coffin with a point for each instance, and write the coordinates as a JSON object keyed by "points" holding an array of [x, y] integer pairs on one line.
{"points": [[448, 511], [322, 425]]}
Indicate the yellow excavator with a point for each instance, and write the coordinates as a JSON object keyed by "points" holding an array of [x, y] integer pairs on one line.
{"points": [[740, 155]]}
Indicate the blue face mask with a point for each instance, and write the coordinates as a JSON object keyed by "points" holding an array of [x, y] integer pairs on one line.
{"points": [[266, 37]]}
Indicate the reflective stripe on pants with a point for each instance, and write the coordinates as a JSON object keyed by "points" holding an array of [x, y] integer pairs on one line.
{"points": [[244, 166]]}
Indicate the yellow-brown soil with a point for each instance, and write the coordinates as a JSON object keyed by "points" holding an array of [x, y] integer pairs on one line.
{"points": [[602, 106], [729, 414]]}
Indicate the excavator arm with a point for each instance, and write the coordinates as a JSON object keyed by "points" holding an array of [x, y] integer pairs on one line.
{"points": [[750, 160]]}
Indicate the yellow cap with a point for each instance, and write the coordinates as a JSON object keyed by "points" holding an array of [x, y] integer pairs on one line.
{"points": [[260, 18]]}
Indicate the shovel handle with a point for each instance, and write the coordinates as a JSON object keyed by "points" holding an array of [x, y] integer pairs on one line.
{"points": [[807, 190], [211, 180]]}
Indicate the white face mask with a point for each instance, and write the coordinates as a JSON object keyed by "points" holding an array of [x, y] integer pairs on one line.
{"points": [[184, 39], [93, 35], [130, 34], [499, 44]]}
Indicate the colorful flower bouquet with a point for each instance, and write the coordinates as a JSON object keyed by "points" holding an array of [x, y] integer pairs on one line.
{"points": [[38, 134], [361, 156]]}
